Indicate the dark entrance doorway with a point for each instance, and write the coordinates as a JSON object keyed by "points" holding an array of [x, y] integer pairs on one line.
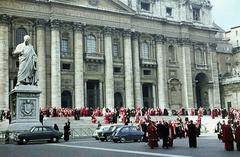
{"points": [[147, 93], [93, 94], [66, 99], [118, 100], [201, 84]]}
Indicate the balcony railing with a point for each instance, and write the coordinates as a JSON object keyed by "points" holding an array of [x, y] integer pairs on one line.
{"points": [[147, 62], [202, 66], [94, 57]]}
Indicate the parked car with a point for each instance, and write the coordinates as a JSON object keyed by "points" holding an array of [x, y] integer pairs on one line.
{"points": [[102, 128], [127, 133], [106, 135], [39, 133]]}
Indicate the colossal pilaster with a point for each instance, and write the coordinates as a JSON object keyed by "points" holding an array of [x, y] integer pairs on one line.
{"points": [[55, 64], [128, 69], [186, 72], [136, 71], [216, 92], [160, 72], [40, 24], [109, 81], [78, 65], [4, 74]]}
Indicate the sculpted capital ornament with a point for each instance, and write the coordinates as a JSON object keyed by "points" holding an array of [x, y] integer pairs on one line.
{"points": [[40, 22], [108, 31], [127, 33], [55, 24], [77, 26], [160, 39], [135, 35], [184, 41], [4, 18]]}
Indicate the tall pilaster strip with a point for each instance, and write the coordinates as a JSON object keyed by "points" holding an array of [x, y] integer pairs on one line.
{"points": [[109, 80], [136, 71], [4, 73], [128, 70], [216, 91], [41, 64], [160, 72], [55, 64], [187, 73], [78, 65]]}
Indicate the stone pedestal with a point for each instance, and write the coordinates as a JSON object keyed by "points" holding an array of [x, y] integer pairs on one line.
{"points": [[24, 107]]}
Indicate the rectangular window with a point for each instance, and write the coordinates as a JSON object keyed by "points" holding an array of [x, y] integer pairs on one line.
{"points": [[145, 6], [146, 72], [117, 69], [116, 48], [64, 46], [169, 11], [66, 66], [196, 14]]}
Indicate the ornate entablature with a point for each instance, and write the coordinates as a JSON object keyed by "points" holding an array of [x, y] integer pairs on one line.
{"points": [[4, 19]]}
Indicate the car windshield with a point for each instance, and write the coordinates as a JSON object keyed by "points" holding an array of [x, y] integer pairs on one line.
{"points": [[104, 128]]}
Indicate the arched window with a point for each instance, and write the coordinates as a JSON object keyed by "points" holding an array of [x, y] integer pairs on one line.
{"points": [[171, 51], [65, 44], [200, 57], [20, 33], [145, 50], [91, 44]]}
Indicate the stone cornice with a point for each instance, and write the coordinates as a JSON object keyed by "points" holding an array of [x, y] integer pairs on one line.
{"points": [[4, 19], [172, 40], [184, 41]]}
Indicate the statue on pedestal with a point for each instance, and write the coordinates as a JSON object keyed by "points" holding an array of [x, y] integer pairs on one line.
{"points": [[27, 73]]}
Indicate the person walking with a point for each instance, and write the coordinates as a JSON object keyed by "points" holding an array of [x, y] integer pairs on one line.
{"points": [[192, 135], [237, 136], [228, 137]]}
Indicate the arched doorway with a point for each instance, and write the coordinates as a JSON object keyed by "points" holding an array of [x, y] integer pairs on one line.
{"points": [[118, 100], [201, 88], [66, 99]]}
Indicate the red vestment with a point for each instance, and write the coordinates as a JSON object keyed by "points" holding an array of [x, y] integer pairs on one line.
{"points": [[152, 136], [228, 137]]}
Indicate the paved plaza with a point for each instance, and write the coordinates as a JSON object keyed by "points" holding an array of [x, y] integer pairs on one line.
{"points": [[208, 146]]}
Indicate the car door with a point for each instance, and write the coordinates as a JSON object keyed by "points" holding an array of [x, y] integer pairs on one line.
{"points": [[35, 133], [134, 133]]}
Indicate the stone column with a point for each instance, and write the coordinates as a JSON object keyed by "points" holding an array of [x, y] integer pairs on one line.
{"points": [[109, 80], [78, 65], [154, 95], [85, 92], [186, 73], [136, 71], [4, 73], [214, 70], [11, 84], [41, 64], [55, 64], [162, 101], [128, 70], [101, 94]]}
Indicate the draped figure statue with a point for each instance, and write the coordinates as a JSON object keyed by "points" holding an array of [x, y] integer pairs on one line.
{"points": [[27, 73]]}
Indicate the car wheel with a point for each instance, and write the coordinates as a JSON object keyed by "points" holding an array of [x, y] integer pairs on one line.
{"points": [[141, 139], [102, 139], [122, 139], [115, 141], [96, 138], [54, 139], [108, 138], [135, 140], [24, 140]]}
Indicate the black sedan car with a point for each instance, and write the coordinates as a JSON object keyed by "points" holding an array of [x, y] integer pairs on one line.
{"points": [[37, 133], [127, 133], [106, 135]]}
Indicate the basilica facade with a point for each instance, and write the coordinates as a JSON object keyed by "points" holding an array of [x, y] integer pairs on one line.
{"points": [[112, 53]]}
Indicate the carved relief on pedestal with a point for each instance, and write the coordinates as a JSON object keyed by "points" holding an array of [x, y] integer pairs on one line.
{"points": [[27, 108]]}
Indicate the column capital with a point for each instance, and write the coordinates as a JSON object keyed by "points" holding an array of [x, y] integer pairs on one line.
{"points": [[40, 23], [55, 23], [184, 41], [4, 19], [160, 39], [135, 35], [78, 27], [127, 33], [108, 31], [213, 46]]}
